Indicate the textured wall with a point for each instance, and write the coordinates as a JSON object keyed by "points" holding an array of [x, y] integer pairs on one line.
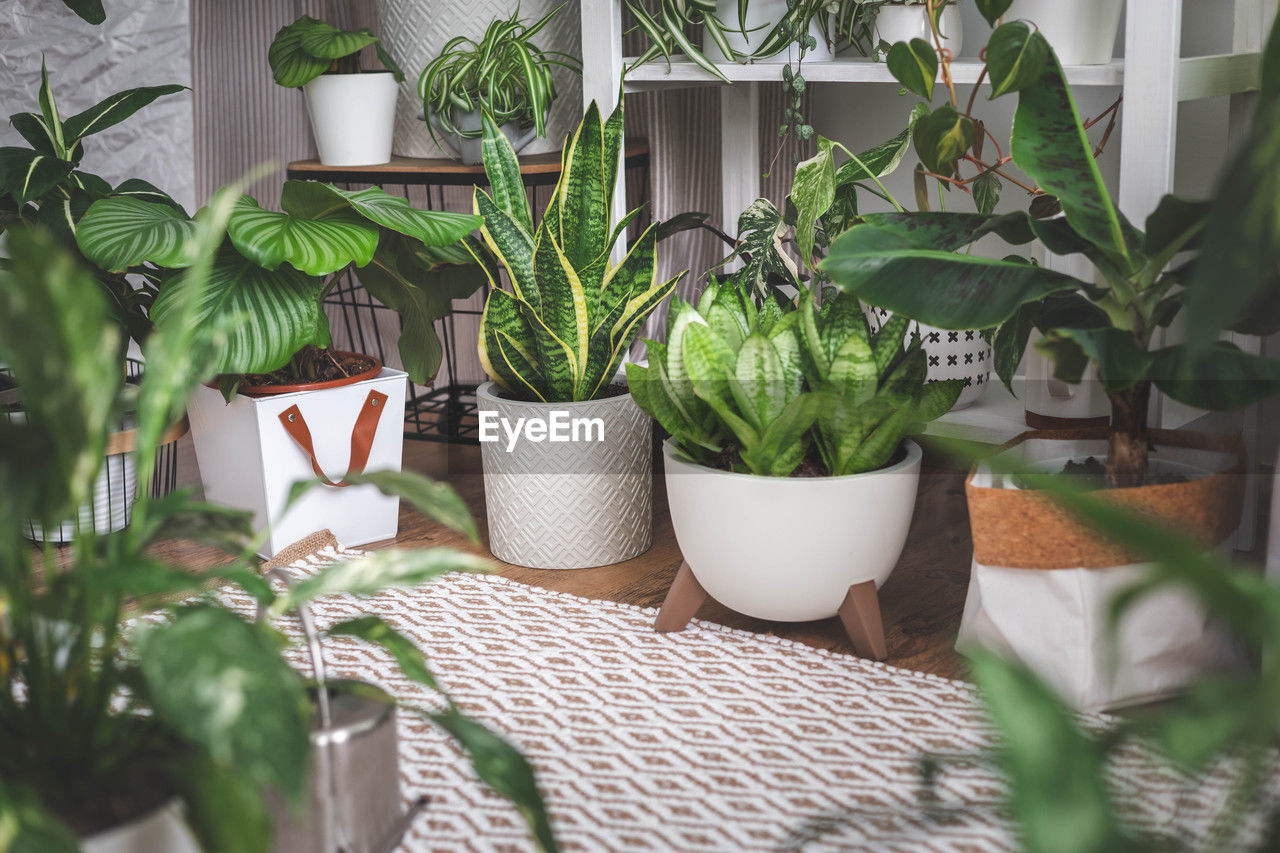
{"points": [[142, 43]]}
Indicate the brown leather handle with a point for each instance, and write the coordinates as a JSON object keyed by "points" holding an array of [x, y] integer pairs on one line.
{"points": [[361, 436]]}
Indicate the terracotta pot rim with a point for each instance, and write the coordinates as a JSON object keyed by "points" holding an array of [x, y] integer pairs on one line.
{"points": [[273, 390]]}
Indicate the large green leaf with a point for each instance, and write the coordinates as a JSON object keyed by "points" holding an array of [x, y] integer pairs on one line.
{"points": [[812, 192], [1217, 376], [1050, 145], [582, 195], [315, 246], [907, 263], [90, 10], [1121, 361], [27, 175], [915, 65], [224, 809], [220, 682], [275, 313], [378, 570], [312, 200], [503, 172], [120, 232], [112, 110], [1016, 58], [291, 66], [325, 42], [943, 137], [390, 278]]}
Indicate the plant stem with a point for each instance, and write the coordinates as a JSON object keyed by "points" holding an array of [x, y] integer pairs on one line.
{"points": [[1129, 440]]}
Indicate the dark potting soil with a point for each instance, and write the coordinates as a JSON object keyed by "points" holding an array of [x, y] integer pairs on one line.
{"points": [[139, 788], [812, 466], [325, 367], [616, 389], [1091, 475]]}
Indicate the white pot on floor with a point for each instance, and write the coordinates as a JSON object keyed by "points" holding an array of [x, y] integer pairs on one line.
{"points": [[1082, 32], [352, 117], [566, 504], [762, 17], [162, 830], [789, 548], [904, 23]]}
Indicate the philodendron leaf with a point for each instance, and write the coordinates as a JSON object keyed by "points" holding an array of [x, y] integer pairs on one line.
{"points": [[986, 192], [378, 570], [812, 192], [312, 200], [1016, 57], [992, 10], [501, 766], [112, 110], [220, 683], [943, 137], [315, 246], [276, 313], [914, 64], [120, 232]]}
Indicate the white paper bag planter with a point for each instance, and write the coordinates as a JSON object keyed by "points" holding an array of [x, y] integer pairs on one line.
{"points": [[353, 117], [1042, 583], [573, 504], [249, 460], [843, 537]]}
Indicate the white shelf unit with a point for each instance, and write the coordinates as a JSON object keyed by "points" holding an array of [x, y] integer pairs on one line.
{"points": [[1154, 77]]}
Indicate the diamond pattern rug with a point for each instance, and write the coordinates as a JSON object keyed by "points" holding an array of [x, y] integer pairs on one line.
{"points": [[712, 739]]}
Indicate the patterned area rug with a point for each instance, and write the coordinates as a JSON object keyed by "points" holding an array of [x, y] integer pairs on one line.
{"points": [[712, 739]]}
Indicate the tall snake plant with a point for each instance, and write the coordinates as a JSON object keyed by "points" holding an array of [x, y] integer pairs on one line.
{"points": [[560, 332]]}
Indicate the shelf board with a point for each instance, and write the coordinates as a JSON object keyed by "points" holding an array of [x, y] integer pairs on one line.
{"points": [[995, 418], [683, 73]]}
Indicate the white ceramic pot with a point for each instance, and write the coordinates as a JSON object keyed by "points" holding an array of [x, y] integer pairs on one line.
{"points": [[762, 17], [788, 548], [162, 830], [470, 150], [963, 355], [1082, 32], [352, 117], [414, 32], [583, 501], [1052, 403], [904, 23]]}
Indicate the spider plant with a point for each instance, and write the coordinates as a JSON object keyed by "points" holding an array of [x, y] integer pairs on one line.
{"points": [[504, 74]]}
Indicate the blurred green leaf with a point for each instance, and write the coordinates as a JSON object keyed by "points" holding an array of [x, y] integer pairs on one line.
{"points": [[378, 570], [408, 657], [25, 826], [224, 808]]}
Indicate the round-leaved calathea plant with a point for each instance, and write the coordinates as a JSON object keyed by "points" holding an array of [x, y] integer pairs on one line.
{"points": [[770, 388], [560, 332]]}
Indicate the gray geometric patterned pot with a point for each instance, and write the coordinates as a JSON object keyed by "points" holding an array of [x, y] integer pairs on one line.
{"points": [[566, 485]]}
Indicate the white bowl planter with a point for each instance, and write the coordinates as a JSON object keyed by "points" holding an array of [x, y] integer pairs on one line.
{"points": [[162, 830], [469, 150], [586, 500], [904, 23], [1045, 599], [249, 459], [1082, 32], [352, 117], [762, 17], [771, 547]]}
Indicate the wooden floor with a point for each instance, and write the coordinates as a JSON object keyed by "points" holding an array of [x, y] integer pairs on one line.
{"points": [[921, 601]]}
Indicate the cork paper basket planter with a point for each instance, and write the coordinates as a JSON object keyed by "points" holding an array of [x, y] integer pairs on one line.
{"points": [[568, 504], [1042, 582], [252, 450]]}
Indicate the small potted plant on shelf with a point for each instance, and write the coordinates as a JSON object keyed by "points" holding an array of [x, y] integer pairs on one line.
{"points": [[894, 21], [292, 406], [789, 413], [1082, 33], [130, 723], [504, 74], [566, 450], [908, 263], [352, 111]]}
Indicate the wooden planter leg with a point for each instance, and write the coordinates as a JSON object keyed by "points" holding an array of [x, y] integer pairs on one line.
{"points": [[860, 614], [682, 602]]}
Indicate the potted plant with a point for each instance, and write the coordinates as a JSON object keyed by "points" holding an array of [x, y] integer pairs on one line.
{"points": [[504, 74], [129, 722], [566, 450], [352, 111], [1082, 33], [787, 413], [894, 21], [907, 262], [301, 408]]}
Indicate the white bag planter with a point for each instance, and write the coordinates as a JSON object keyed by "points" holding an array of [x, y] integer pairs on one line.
{"points": [[904, 23], [1082, 32], [1054, 404], [162, 830], [566, 504], [1052, 615], [762, 17], [352, 117], [840, 531], [248, 460]]}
